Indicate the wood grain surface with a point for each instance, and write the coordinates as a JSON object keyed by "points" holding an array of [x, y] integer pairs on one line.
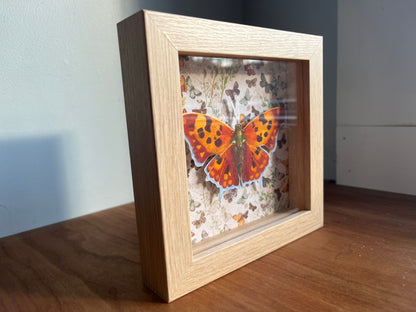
{"points": [[364, 259]]}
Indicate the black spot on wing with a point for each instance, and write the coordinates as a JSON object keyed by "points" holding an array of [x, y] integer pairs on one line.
{"points": [[259, 138], [218, 133], [227, 170], [262, 119], [209, 141], [257, 150], [256, 129], [269, 127], [201, 134], [208, 123], [219, 160], [218, 142], [266, 134]]}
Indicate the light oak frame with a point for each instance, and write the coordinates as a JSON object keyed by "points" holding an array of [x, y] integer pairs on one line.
{"points": [[150, 43]]}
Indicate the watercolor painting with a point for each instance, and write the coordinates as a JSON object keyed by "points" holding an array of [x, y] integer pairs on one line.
{"points": [[235, 114]]}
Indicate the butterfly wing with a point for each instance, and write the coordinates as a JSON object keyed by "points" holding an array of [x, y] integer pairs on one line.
{"points": [[255, 163], [206, 136], [222, 170], [235, 88], [260, 132]]}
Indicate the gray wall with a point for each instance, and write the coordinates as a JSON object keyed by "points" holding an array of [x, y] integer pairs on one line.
{"points": [[63, 141], [376, 104], [317, 17]]}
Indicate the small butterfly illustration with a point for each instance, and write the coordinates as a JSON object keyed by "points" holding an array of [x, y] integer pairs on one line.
{"points": [[183, 85], [204, 234], [284, 185], [240, 218], [278, 193], [282, 141], [234, 90], [200, 221], [268, 87], [202, 110], [280, 175], [230, 195], [241, 156], [251, 83], [246, 98], [249, 69], [193, 205], [244, 120], [243, 198], [266, 181], [281, 83], [192, 91], [252, 207]]}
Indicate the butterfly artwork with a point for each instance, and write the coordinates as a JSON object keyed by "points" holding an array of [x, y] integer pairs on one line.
{"points": [[252, 207], [244, 119], [246, 98], [200, 221], [249, 70], [232, 158], [240, 218], [230, 195], [243, 198], [268, 87], [202, 110], [234, 90], [192, 91], [251, 83], [282, 141]]}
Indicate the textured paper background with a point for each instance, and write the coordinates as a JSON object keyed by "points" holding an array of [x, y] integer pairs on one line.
{"points": [[262, 85]]}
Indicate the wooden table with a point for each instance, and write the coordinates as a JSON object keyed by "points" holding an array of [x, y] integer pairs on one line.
{"points": [[363, 259]]}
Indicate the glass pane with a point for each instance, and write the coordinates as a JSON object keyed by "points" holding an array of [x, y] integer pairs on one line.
{"points": [[236, 121]]}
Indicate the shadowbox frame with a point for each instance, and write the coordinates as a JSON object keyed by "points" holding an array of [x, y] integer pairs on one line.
{"points": [[150, 43]]}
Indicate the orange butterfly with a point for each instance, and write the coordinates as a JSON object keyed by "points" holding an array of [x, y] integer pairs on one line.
{"points": [[240, 218], [241, 155]]}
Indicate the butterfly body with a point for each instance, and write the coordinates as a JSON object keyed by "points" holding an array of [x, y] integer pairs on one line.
{"points": [[240, 156]]}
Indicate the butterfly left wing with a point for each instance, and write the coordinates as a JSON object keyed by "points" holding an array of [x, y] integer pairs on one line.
{"points": [[206, 136]]}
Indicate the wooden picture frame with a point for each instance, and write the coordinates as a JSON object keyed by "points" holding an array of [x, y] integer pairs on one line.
{"points": [[150, 43]]}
